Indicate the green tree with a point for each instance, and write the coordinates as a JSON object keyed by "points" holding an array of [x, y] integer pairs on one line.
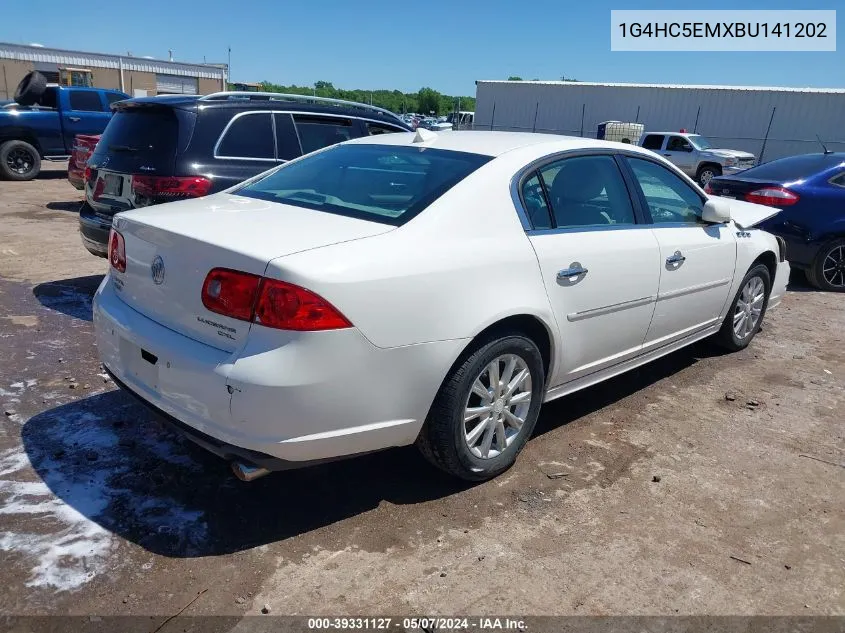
{"points": [[428, 100], [514, 78]]}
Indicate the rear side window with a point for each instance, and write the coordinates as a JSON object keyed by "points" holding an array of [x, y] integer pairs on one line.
{"points": [[316, 132], [587, 191], [248, 136], [838, 180], [84, 101], [382, 183], [653, 141], [112, 97]]}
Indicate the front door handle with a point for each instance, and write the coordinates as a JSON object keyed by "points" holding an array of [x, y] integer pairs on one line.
{"points": [[74, 118], [667, 154], [572, 271], [676, 258]]}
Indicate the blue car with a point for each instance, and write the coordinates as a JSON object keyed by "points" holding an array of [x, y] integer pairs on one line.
{"points": [[810, 192]]}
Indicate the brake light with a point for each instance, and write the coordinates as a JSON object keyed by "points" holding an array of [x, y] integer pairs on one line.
{"points": [[269, 302], [708, 189], [174, 187], [773, 197], [117, 251], [87, 174], [230, 292], [288, 307]]}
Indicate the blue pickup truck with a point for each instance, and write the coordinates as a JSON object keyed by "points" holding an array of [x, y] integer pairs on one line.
{"points": [[43, 120]]}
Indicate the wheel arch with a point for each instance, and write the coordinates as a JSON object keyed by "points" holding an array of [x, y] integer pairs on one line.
{"points": [[533, 326], [769, 260], [20, 134], [707, 163]]}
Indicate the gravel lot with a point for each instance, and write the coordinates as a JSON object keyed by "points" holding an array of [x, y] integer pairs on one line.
{"points": [[703, 483]]}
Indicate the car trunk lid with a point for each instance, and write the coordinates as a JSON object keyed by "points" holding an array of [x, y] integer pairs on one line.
{"points": [[171, 248]]}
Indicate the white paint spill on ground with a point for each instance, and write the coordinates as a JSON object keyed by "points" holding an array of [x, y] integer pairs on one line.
{"points": [[63, 521]]}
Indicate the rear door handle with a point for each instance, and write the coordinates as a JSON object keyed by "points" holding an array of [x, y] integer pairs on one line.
{"points": [[74, 118], [676, 258], [573, 271]]}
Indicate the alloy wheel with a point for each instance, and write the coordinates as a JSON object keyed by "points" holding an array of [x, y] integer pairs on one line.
{"points": [[497, 406], [706, 177], [20, 161], [833, 267], [749, 307]]}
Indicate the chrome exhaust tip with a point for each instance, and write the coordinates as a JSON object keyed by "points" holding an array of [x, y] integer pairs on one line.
{"points": [[245, 472]]}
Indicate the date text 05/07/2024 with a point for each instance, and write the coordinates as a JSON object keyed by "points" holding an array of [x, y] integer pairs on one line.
{"points": [[417, 623]]}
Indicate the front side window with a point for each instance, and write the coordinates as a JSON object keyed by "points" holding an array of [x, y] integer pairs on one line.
{"points": [[653, 141], [113, 97], [587, 191], [678, 144], [374, 129], [317, 132], [381, 183], [85, 101], [249, 136], [668, 197]]}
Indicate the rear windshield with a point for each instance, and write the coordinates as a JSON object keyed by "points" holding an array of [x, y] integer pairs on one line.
{"points": [[141, 131], [382, 183], [790, 169]]}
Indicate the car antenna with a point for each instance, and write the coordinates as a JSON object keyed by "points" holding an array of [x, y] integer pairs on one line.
{"points": [[826, 151]]}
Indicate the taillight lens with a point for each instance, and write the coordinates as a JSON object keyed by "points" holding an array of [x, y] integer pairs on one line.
{"points": [[773, 197], [230, 292], [87, 174], [117, 251], [288, 307], [171, 187], [269, 302]]}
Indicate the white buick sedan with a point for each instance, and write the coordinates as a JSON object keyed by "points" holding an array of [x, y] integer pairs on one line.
{"points": [[429, 289]]}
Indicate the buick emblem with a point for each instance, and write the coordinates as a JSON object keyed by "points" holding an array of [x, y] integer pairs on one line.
{"points": [[157, 270]]}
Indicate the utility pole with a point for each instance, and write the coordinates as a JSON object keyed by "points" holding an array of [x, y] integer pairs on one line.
{"points": [[229, 68]]}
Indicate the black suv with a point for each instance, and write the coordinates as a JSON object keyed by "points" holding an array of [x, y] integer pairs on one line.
{"points": [[160, 149]]}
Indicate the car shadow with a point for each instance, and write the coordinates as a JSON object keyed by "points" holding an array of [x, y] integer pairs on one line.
{"points": [[69, 296], [71, 206], [798, 282], [52, 174], [109, 459], [564, 410]]}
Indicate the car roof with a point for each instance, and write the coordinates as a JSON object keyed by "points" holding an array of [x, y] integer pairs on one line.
{"points": [[667, 133], [496, 143], [262, 102]]}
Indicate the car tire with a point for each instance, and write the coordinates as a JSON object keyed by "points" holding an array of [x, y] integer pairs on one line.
{"points": [[30, 88], [737, 332], [19, 161], [828, 269], [706, 173], [444, 437]]}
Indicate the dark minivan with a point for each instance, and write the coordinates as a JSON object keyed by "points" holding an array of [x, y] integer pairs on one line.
{"points": [[160, 149]]}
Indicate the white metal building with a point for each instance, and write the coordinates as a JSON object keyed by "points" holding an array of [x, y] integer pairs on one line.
{"points": [[787, 120]]}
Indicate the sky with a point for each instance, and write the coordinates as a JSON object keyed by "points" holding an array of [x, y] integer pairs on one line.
{"points": [[376, 44]]}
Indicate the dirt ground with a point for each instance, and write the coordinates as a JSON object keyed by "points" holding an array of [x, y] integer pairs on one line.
{"points": [[703, 483]]}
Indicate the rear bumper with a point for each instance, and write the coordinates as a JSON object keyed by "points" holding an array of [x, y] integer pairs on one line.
{"points": [[94, 231], [286, 398], [75, 177]]}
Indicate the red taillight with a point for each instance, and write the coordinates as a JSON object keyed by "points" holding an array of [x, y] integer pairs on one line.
{"points": [[708, 189], [269, 302], [87, 174], [117, 251], [773, 197], [288, 307], [230, 292], [170, 186]]}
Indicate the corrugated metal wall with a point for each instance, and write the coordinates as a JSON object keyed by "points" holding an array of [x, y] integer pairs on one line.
{"points": [[735, 118]]}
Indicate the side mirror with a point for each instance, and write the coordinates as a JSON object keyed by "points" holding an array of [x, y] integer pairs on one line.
{"points": [[716, 211], [687, 148]]}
